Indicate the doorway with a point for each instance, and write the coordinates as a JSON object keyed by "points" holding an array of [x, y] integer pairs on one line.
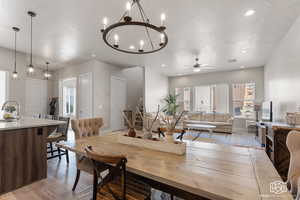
{"points": [[117, 103], [68, 97]]}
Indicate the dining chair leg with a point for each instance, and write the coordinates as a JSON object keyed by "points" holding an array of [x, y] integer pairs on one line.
{"points": [[76, 180], [95, 186], [67, 156], [59, 153], [51, 148]]}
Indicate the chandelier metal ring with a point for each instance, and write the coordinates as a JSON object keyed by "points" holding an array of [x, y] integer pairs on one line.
{"points": [[140, 20], [135, 23]]}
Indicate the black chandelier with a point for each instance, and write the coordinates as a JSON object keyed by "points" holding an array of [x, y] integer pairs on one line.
{"points": [[144, 22]]}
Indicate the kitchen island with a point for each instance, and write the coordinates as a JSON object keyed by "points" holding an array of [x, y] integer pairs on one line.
{"points": [[23, 151]]}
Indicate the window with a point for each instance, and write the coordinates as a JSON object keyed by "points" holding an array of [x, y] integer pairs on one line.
{"points": [[3, 87], [203, 99], [184, 98], [243, 99], [207, 98], [69, 97]]}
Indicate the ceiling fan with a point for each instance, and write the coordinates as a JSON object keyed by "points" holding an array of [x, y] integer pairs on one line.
{"points": [[197, 67]]}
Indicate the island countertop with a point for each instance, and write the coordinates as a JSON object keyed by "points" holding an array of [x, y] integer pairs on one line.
{"points": [[27, 122]]}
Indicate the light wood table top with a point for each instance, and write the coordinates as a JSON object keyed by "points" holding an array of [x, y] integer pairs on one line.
{"points": [[208, 170], [204, 126]]}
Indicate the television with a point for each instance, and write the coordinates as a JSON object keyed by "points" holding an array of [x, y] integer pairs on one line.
{"points": [[267, 111]]}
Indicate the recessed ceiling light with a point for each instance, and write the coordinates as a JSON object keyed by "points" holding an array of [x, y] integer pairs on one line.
{"points": [[163, 65], [249, 13], [242, 67], [244, 51], [93, 55], [131, 47]]}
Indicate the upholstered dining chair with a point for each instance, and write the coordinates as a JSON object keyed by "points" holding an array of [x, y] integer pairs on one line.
{"points": [[114, 185], [293, 144], [85, 128]]}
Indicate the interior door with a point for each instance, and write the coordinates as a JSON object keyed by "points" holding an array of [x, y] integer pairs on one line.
{"points": [[118, 103], [36, 98], [85, 96]]}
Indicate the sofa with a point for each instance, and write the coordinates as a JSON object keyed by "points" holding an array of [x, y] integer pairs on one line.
{"points": [[223, 122]]}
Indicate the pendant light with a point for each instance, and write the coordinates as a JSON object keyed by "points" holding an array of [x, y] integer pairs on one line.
{"points": [[15, 73], [47, 74], [30, 66]]}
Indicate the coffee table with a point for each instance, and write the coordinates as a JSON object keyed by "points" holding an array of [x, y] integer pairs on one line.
{"points": [[209, 128]]}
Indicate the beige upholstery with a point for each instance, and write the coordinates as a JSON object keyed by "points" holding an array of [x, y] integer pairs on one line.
{"points": [[86, 128], [293, 118], [293, 144], [223, 122]]}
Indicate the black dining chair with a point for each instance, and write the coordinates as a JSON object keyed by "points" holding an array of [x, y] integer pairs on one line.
{"points": [[115, 185]]}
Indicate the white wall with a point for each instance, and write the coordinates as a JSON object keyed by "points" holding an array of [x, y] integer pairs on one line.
{"points": [[135, 86], [156, 88], [102, 73], [229, 77], [17, 88], [282, 74]]}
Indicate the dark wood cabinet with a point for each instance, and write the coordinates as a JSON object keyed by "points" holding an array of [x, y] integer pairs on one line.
{"points": [[23, 157], [276, 146]]}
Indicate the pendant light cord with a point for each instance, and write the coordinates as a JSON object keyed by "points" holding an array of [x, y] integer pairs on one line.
{"points": [[15, 51], [31, 43]]}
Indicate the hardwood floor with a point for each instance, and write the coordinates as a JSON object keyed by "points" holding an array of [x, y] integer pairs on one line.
{"points": [[61, 176], [58, 185]]}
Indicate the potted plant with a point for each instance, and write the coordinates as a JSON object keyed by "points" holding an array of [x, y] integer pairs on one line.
{"points": [[171, 116]]}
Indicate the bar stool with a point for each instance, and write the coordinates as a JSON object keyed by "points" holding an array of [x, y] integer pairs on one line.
{"points": [[61, 134]]}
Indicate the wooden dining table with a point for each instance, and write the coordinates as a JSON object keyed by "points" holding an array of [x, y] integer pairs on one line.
{"points": [[206, 171]]}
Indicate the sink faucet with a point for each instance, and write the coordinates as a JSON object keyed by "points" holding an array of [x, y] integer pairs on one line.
{"points": [[18, 107]]}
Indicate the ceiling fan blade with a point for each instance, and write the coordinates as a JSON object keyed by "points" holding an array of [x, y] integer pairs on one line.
{"points": [[208, 67]]}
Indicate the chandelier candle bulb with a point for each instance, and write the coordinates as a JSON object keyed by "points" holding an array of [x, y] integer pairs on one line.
{"points": [[128, 8], [116, 38], [163, 19], [127, 18], [162, 39], [142, 45], [104, 22]]}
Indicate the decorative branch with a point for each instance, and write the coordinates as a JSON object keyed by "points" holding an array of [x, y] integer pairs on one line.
{"points": [[127, 120], [147, 119], [156, 116], [178, 119]]}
